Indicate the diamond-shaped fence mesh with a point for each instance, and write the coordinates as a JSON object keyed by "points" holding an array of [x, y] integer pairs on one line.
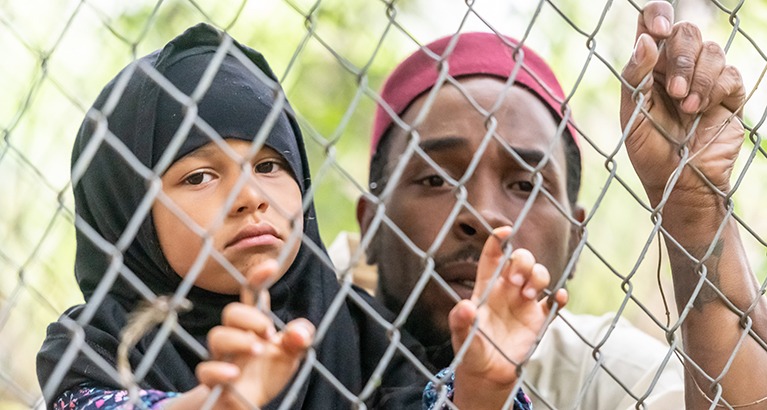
{"points": [[331, 58]]}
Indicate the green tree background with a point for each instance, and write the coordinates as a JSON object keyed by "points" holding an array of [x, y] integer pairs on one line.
{"points": [[332, 56]]}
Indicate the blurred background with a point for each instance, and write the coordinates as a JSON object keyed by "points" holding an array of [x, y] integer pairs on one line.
{"points": [[332, 57]]}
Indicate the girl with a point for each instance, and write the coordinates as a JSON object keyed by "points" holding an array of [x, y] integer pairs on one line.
{"points": [[233, 200], [133, 129]]}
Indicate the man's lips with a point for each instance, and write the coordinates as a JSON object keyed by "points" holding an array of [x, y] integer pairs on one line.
{"points": [[254, 235], [460, 275]]}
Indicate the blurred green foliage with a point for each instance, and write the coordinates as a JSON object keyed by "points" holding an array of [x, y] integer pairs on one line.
{"points": [[332, 56]]}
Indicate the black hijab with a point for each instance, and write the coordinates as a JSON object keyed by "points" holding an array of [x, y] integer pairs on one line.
{"points": [[128, 133]]}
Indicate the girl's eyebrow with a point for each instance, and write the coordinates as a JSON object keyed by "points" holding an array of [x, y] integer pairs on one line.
{"points": [[205, 151]]}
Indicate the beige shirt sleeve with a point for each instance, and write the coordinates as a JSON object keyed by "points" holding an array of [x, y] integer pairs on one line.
{"points": [[565, 373]]}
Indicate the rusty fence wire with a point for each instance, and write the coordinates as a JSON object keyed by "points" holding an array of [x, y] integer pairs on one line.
{"points": [[331, 57]]}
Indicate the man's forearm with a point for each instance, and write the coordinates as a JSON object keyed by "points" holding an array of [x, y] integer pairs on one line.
{"points": [[712, 332]]}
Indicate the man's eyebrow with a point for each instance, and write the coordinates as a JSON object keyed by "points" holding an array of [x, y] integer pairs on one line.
{"points": [[530, 156], [442, 144]]}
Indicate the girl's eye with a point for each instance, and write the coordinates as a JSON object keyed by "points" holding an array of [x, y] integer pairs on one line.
{"points": [[198, 178], [433, 181], [268, 167]]}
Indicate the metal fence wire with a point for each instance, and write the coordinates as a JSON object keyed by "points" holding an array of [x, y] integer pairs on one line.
{"points": [[331, 57]]}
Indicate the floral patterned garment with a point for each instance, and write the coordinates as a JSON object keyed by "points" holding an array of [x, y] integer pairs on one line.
{"points": [[91, 398], [431, 394]]}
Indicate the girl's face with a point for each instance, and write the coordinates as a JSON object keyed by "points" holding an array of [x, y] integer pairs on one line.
{"points": [[263, 208]]}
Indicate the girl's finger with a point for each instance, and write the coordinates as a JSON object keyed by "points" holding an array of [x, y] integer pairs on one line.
{"points": [[213, 373], [560, 297], [460, 320], [227, 342], [537, 280], [491, 255], [245, 317], [258, 280], [520, 267], [264, 301], [297, 336]]}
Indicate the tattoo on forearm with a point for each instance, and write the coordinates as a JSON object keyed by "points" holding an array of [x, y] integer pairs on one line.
{"points": [[707, 293]]}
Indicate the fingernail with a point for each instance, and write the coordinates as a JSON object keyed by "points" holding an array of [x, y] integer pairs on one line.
{"points": [[231, 372], [530, 293], [256, 348], [691, 104], [303, 333], [678, 87], [517, 280], [501, 231], [661, 25], [638, 54]]}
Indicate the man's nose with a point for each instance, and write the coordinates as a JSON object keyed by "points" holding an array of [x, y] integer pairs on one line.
{"points": [[485, 210]]}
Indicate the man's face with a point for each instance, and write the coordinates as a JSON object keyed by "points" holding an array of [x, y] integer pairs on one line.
{"points": [[427, 209]]}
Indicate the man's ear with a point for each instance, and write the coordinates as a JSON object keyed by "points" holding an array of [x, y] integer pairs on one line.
{"points": [[576, 231], [366, 210]]}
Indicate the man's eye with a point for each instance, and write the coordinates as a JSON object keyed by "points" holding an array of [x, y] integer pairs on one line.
{"points": [[198, 178], [434, 181], [524, 186]]}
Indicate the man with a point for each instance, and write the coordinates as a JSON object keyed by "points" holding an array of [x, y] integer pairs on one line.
{"points": [[458, 151]]}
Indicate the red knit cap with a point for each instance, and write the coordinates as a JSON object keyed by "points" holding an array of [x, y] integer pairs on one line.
{"points": [[474, 53]]}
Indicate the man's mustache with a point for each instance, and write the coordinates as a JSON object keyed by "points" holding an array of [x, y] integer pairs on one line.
{"points": [[465, 254]]}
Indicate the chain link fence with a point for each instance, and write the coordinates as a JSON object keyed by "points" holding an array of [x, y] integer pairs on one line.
{"points": [[331, 57]]}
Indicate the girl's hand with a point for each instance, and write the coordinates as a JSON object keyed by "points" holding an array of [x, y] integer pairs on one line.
{"points": [[249, 357], [510, 319]]}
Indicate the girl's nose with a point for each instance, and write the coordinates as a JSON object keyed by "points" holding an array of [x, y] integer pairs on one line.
{"points": [[250, 199]]}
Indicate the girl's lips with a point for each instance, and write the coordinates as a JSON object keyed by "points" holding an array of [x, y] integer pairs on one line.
{"points": [[254, 235], [254, 241]]}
